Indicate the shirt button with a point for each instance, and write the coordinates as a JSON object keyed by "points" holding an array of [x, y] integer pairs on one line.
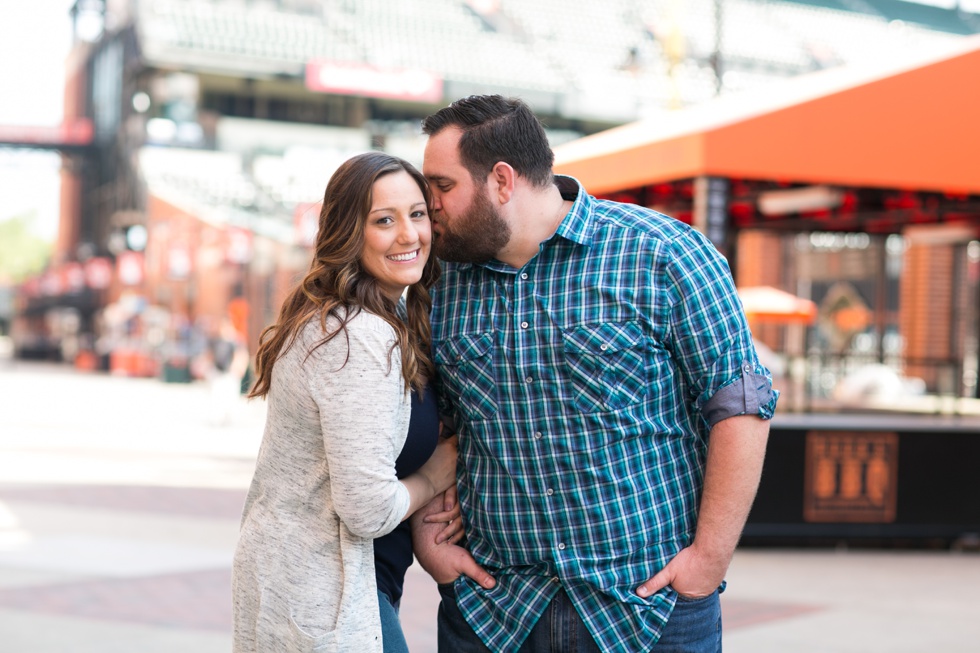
{"points": [[537, 435], [523, 325], [561, 546], [555, 579], [529, 379], [603, 346], [550, 492], [523, 275], [746, 368]]}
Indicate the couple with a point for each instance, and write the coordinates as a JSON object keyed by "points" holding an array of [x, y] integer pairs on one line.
{"points": [[589, 359]]}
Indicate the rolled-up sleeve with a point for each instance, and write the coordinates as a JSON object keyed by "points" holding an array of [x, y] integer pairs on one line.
{"points": [[711, 336]]}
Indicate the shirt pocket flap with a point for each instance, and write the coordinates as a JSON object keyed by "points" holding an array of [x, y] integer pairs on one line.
{"points": [[464, 348], [603, 339]]}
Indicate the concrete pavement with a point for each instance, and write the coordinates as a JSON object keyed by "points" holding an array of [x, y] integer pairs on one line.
{"points": [[119, 506]]}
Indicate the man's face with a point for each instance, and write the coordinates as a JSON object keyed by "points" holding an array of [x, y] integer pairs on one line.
{"points": [[466, 226]]}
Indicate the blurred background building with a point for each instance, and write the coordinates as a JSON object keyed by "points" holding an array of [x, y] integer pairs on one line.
{"points": [[198, 136]]}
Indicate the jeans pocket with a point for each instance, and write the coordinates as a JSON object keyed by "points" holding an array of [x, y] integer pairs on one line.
{"points": [[689, 599], [694, 626]]}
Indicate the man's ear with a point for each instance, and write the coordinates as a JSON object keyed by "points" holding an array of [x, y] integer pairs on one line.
{"points": [[502, 180]]}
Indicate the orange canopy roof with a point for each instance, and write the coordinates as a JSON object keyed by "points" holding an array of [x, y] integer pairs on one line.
{"points": [[765, 303], [914, 126]]}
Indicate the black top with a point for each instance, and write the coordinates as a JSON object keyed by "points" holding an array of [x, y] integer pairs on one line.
{"points": [[393, 552]]}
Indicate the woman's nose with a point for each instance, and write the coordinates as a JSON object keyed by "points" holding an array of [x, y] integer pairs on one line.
{"points": [[408, 233]]}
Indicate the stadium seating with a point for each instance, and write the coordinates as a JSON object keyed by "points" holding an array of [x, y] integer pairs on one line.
{"points": [[610, 61], [619, 49]]}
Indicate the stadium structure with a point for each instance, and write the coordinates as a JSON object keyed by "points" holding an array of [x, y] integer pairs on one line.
{"points": [[199, 134]]}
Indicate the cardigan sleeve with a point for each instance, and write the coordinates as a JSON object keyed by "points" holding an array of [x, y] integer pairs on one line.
{"points": [[363, 410]]}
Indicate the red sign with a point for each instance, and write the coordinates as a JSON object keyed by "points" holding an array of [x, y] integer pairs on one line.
{"points": [[346, 78], [51, 284], [76, 132], [98, 273], [72, 277], [129, 266]]}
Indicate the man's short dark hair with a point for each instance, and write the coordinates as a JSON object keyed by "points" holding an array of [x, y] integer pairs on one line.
{"points": [[496, 129]]}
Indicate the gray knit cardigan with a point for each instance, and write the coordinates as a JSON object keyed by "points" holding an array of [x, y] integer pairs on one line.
{"points": [[324, 487]]}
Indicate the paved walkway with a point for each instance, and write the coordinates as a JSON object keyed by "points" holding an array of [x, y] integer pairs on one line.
{"points": [[119, 507]]}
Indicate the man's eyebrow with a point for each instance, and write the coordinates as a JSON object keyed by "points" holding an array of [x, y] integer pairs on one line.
{"points": [[436, 178]]}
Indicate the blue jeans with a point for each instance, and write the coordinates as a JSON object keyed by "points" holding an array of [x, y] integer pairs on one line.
{"points": [[391, 628], [559, 630], [694, 627]]}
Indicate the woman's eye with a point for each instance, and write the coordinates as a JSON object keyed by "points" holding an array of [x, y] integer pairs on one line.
{"points": [[419, 214]]}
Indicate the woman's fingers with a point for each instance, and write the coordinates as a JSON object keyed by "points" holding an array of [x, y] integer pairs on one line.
{"points": [[444, 516]]}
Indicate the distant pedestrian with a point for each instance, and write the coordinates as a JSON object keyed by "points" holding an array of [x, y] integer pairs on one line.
{"points": [[227, 354]]}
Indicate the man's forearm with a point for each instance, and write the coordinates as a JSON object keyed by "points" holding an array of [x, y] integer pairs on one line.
{"points": [[736, 450]]}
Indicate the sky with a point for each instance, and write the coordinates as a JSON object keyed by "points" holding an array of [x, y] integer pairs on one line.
{"points": [[34, 40]]}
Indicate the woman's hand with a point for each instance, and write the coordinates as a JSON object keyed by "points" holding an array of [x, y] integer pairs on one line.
{"points": [[451, 516]]}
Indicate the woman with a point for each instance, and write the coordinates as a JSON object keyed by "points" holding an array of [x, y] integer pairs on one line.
{"points": [[345, 371]]}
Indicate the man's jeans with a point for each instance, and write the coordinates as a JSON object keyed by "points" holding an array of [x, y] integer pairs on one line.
{"points": [[694, 627]]}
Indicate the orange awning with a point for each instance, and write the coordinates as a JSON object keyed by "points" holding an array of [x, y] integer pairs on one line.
{"points": [[914, 126], [768, 304]]}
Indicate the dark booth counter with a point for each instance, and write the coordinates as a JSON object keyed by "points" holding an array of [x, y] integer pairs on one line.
{"points": [[881, 478]]}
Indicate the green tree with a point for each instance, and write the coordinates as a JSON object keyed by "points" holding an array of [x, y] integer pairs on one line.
{"points": [[22, 253]]}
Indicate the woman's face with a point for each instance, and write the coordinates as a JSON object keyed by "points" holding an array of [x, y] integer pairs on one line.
{"points": [[397, 234]]}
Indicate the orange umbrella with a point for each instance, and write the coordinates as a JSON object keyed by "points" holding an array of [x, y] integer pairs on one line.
{"points": [[769, 304]]}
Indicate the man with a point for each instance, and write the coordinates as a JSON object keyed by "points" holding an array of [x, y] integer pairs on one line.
{"points": [[612, 413]]}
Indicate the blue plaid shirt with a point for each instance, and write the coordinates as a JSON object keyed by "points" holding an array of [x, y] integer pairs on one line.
{"points": [[583, 387]]}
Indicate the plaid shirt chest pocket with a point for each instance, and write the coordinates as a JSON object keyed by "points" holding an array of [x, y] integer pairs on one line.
{"points": [[466, 369], [606, 365]]}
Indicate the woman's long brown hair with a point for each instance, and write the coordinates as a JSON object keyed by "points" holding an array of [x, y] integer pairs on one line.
{"points": [[337, 284]]}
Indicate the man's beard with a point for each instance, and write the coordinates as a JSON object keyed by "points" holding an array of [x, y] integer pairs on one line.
{"points": [[475, 236]]}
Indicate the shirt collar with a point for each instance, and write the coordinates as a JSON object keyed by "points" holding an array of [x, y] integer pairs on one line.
{"points": [[579, 224]]}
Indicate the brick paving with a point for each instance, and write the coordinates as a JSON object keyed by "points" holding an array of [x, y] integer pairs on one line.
{"points": [[740, 613], [201, 599], [195, 600], [71, 479]]}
